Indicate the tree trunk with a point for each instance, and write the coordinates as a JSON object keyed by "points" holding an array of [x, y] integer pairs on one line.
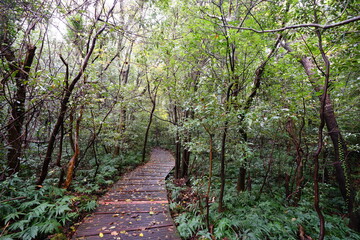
{"points": [[64, 107], [296, 139], [177, 146], [340, 148], [210, 178], [240, 187], [223, 152], [122, 128], [257, 81], [73, 160], [185, 163], [222, 168], [148, 130], [153, 101], [17, 117], [186, 153]]}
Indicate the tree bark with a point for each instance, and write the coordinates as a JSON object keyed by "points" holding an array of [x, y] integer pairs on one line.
{"points": [[297, 141], [74, 158], [340, 148], [63, 109], [177, 146], [17, 116], [147, 132], [153, 101], [223, 153], [257, 81], [186, 153], [210, 178]]}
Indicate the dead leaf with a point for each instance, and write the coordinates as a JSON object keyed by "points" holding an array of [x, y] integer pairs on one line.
{"points": [[101, 235], [114, 233]]}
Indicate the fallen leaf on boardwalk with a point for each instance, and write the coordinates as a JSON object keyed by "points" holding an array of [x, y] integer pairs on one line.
{"points": [[151, 213], [101, 235], [112, 227], [128, 200], [141, 235], [115, 215], [114, 233], [122, 232]]}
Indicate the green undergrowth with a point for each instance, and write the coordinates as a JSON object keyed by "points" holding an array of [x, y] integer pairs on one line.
{"points": [[30, 212], [246, 217]]}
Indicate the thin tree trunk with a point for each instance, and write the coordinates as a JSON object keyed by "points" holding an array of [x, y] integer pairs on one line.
{"points": [[153, 101], [177, 146], [257, 80], [297, 141], [223, 152], [147, 131], [185, 154], [58, 160], [73, 160], [210, 179], [63, 109]]}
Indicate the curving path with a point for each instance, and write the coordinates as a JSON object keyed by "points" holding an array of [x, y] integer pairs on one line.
{"points": [[136, 207]]}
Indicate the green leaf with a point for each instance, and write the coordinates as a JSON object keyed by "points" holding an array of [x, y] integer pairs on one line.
{"points": [[30, 233], [13, 216]]}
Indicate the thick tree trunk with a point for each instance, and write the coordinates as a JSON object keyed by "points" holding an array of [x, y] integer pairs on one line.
{"points": [[340, 148], [17, 116], [185, 163]]}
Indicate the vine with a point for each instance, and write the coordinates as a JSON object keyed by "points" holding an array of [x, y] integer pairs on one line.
{"points": [[345, 170]]}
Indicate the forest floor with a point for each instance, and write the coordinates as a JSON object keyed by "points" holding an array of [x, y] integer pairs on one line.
{"points": [[136, 207]]}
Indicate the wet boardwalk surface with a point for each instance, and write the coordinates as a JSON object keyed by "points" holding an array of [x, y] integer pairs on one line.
{"points": [[136, 207]]}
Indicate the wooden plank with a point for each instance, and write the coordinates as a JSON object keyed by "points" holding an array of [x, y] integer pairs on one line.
{"points": [[136, 207]]}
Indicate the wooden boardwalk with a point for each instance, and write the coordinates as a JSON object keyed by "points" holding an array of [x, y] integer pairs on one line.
{"points": [[136, 207]]}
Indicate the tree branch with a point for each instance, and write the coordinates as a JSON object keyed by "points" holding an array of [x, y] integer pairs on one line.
{"points": [[311, 25]]}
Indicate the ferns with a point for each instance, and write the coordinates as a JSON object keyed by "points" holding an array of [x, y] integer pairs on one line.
{"points": [[268, 218], [90, 205], [32, 213]]}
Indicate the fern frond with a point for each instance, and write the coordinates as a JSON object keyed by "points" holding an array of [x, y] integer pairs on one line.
{"points": [[49, 227], [13, 216], [30, 233]]}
